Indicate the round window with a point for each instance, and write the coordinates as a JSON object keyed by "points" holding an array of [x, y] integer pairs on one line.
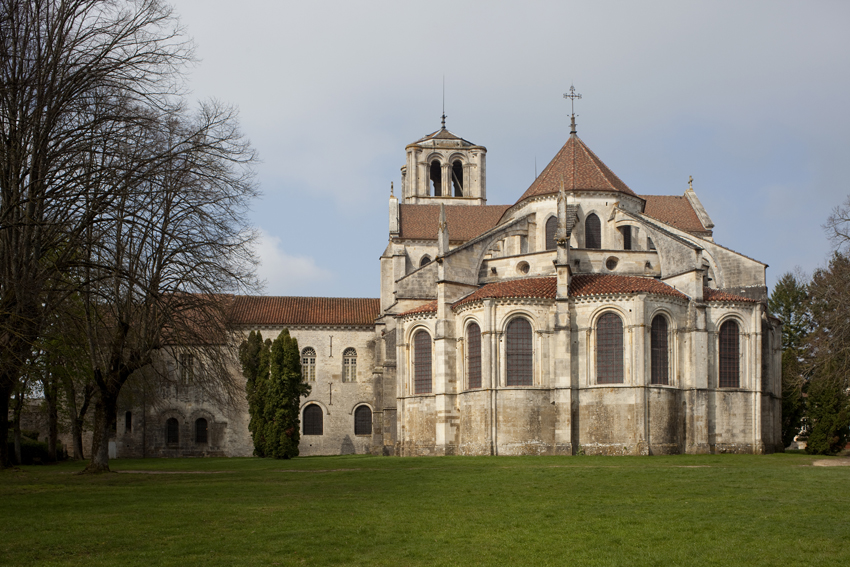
{"points": [[611, 263], [523, 267]]}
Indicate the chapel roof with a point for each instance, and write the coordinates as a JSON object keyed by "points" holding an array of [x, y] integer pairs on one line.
{"points": [[675, 210], [580, 169], [580, 285], [710, 294], [264, 310], [420, 222]]}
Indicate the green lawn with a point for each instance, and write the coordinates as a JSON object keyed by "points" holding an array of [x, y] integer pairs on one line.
{"points": [[356, 510]]}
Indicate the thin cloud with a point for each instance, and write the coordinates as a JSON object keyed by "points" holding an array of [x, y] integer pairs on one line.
{"points": [[287, 274]]}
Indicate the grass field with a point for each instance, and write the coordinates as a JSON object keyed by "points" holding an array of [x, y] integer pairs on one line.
{"points": [[358, 510]]}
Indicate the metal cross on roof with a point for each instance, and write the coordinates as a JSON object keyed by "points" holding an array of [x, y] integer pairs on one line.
{"points": [[573, 96]]}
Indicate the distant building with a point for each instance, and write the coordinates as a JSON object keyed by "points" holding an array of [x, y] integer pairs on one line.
{"points": [[581, 318]]}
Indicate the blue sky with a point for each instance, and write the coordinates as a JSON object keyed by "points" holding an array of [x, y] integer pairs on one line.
{"points": [[749, 98]]}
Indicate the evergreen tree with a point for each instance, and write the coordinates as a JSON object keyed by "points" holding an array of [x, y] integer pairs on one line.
{"points": [[790, 301], [829, 413], [254, 357], [275, 387]]}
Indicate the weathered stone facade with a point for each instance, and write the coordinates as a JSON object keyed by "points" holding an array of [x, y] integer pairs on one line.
{"points": [[582, 318]]}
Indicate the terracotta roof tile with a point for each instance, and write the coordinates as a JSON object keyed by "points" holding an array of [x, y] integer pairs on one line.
{"points": [[261, 310], [420, 222], [580, 169], [674, 210], [604, 284], [430, 307], [709, 294], [529, 287], [581, 285]]}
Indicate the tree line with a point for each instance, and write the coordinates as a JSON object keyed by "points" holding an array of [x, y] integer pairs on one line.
{"points": [[816, 346], [123, 213]]}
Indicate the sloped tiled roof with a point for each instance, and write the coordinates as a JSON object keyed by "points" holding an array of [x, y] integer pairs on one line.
{"points": [[674, 210], [260, 310], [430, 307], [580, 169], [604, 284], [581, 285], [709, 294], [443, 134], [420, 222], [529, 287]]}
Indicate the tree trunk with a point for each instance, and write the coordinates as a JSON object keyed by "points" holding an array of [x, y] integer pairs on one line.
{"points": [[77, 435], [104, 416], [52, 417], [5, 394], [16, 423]]}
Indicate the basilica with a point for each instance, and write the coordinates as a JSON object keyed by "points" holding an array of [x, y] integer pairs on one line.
{"points": [[583, 318]]}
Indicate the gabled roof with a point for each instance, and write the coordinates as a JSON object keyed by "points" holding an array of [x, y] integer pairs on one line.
{"points": [[580, 169], [420, 222], [674, 210], [710, 294], [430, 307], [262, 310]]}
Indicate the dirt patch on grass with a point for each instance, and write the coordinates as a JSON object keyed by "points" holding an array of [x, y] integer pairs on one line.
{"points": [[173, 472], [839, 462]]}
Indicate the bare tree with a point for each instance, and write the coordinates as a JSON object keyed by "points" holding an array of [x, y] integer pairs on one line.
{"points": [[170, 248], [71, 73]]}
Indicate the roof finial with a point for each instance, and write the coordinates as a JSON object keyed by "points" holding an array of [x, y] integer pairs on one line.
{"points": [[391, 189], [573, 96], [444, 103], [690, 182]]}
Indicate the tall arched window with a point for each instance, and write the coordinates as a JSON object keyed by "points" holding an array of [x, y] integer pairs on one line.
{"points": [[128, 422], [457, 178], [551, 229], [592, 232], [349, 365], [200, 430], [436, 178], [519, 353], [659, 366], [172, 431], [308, 364], [422, 363], [473, 355], [313, 420], [363, 421], [729, 355], [609, 349]]}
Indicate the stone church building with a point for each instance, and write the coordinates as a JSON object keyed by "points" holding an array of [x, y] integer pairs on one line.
{"points": [[583, 318]]}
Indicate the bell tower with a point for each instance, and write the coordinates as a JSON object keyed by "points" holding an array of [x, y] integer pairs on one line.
{"points": [[444, 168]]}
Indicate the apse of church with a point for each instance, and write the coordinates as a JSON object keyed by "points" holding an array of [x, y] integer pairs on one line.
{"points": [[582, 318]]}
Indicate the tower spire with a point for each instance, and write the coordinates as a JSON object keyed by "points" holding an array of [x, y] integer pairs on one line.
{"points": [[443, 122], [573, 96]]}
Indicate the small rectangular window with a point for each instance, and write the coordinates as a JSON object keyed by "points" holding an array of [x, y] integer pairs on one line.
{"points": [[627, 237], [187, 368]]}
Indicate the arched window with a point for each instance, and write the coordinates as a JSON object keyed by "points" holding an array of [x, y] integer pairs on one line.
{"points": [[659, 366], [422, 363], [519, 353], [592, 232], [349, 365], [729, 355], [200, 430], [473, 355], [172, 431], [308, 364], [457, 178], [313, 420], [426, 259], [609, 349], [551, 229], [128, 422], [436, 178], [363, 421]]}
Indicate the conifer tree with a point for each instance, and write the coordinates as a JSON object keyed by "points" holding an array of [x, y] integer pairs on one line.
{"points": [[275, 387]]}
